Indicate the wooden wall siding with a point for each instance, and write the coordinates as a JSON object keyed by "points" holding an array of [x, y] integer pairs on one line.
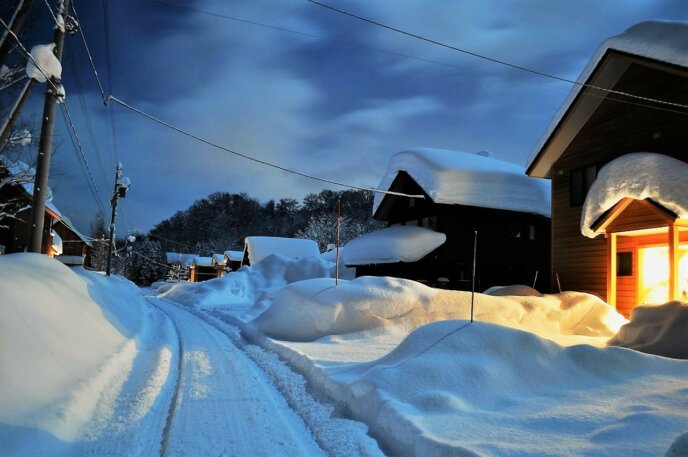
{"points": [[613, 130], [640, 215]]}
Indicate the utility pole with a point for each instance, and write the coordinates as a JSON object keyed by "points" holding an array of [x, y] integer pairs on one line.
{"points": [[120, 190], [15, 24], [45, 146]]}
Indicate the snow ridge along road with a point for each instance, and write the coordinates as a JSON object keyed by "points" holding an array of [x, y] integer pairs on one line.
{"points": [[227, 405]]}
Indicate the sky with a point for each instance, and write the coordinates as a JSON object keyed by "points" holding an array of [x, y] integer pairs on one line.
{"points": [[309, 89]]}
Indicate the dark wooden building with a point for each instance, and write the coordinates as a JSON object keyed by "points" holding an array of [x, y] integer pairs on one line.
{"points": [[464, 194], [594, 127]]}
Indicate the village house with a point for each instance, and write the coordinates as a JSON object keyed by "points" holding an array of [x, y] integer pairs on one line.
{"points": [[461, 195], [617, 159], [232, 260], [202, 269], [60, 237]]}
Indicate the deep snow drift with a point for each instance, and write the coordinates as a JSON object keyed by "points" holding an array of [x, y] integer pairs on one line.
{"points": [[69, 340], [661, 330]]}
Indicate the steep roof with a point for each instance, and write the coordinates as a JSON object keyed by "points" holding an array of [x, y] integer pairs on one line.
{"points": [[657, 41], [459, 178]]}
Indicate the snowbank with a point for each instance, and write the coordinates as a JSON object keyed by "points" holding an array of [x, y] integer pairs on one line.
{"points": [[248, 285], [260, 247], [501, 291], [68, 341], [308, 310], [660, 330], [637, 175], [392, 244], [47, 62], [458, 178]]}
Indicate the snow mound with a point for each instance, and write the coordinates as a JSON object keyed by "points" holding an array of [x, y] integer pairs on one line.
{"points": [[66, 337], [659, 330], [309, 310], [245, 286], [519, 290], [458, 178], [392, 244], [454, 388], [260, 247], [639, 176], [44, 56]]}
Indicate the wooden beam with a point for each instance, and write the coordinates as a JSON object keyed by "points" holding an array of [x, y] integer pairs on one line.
{"points": [[611, 269], [673, 263]]}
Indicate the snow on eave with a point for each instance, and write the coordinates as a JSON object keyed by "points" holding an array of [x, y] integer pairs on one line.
{"points": [[234, 256], [659, 41], [639, 176], [459, 178], [392, 245], [202, 262], [260, 247]]}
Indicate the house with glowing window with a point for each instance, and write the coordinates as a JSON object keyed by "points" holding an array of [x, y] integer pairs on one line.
{"points": [[617, 153]]}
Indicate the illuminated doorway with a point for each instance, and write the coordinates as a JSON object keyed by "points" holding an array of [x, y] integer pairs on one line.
{"points": [[653, 281]]}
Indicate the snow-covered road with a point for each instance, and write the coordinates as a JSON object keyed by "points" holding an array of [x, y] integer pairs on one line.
{"points": [[225, 404]]}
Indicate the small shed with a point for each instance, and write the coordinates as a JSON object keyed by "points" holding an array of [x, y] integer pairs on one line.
{"points": [[202, 269], [259, 247]]}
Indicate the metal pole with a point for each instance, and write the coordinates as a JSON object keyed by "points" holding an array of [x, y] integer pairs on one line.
{"points": [[113, 203], [535, 280], [475, 251], [339, 221], [45, 146]]}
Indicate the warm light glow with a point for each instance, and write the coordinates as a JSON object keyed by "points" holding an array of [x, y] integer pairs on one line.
{"points": [[654, 274]]}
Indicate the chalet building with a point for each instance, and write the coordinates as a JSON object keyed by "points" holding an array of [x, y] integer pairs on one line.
{"points": [[459, 194], [622, 235], [232, 260], [202, 269], [60, 237]]}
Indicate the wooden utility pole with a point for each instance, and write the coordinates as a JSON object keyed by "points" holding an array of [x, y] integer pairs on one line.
{"points": [[15, 24], [45, 146], [113, 203]]}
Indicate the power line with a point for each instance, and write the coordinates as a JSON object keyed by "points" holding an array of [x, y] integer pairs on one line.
{"points": [[88, 52], [106, 27], [494, 60], [253, 159]]}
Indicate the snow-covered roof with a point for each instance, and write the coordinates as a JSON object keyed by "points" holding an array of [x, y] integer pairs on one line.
{"points": [[391, 245], [219, 258], [639, 175], [260, 247], [203, 261], [68, 223], [459, 178], [177, 257], [663, 41], [234, 256]]}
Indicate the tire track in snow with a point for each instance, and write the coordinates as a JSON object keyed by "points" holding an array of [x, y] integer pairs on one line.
{"points": [[224, 403], [337, 436]]}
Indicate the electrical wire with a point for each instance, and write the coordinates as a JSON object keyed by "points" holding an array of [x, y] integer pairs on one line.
{"points": [[494, 60], [253, 159], [108, 60], [88, 52]]}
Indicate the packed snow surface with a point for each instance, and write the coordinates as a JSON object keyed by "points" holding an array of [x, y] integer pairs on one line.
{"points": [[46, 60], [458, 178], [663, 41], [660, 330], [392, 244], [638, 175], [259, 247]]}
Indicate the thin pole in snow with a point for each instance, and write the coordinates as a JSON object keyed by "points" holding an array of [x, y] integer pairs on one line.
{"points": [[535, 280], [558, 283], [475, 250], [339, 222]]}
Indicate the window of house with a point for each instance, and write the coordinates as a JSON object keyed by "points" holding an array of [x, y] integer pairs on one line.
{"points": [[513, 230], [624, 264], [531, 232], [581, 180]]}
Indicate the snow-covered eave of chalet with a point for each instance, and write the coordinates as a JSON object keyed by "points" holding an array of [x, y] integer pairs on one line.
{"points": [[459, 178], [651, 43]]}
